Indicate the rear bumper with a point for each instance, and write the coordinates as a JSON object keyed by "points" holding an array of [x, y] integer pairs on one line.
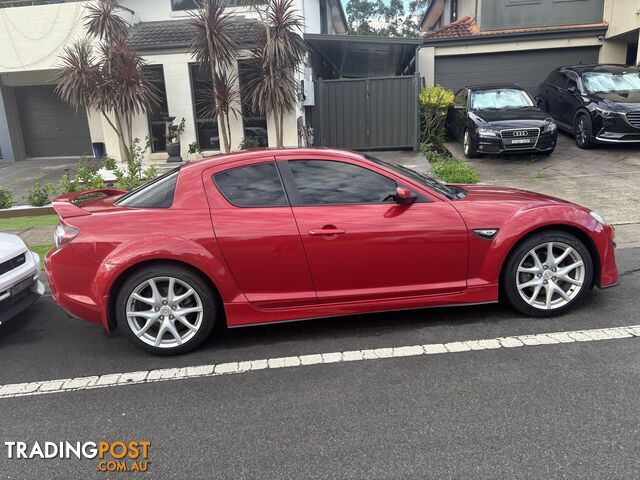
{"points": [[67, 288]]}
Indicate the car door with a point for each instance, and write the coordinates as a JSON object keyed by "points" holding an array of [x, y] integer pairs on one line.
{"points": [[457, 116], [570, 98], [551, 99], [362, 245], [257, 234]]}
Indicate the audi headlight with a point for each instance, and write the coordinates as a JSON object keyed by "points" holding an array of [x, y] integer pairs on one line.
{"points": [[550, 127], [598, 218], [486, 132]]}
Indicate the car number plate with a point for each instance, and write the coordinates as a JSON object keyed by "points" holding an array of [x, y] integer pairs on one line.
{"points": [[23, 285], [519, 141]]}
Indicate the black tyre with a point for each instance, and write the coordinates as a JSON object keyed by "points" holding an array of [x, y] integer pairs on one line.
{"points": [[547, 274], [166, 309], [467, 145], [582, 130]]}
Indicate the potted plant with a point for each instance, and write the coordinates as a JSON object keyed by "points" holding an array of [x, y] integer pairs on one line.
{"points": [[195, 152], [173, 139]]}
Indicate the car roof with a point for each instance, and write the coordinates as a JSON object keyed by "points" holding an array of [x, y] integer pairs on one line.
{"points": [[237, 157], [493, 86], [600, 67]]}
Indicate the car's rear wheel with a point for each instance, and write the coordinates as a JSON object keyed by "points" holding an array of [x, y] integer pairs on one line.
{"points": [[467, 145], [165, 309], [582, 130], [548, 274]]}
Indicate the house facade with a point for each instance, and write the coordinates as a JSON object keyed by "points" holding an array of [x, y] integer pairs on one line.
{"points": [[521, 41], [35, 123]]}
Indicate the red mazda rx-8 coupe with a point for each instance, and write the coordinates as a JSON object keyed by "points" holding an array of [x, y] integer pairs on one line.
{"points": [[275, 235]]}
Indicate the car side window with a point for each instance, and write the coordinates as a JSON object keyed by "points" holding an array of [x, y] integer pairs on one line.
{"points": [[257, 185], [325, 182], [461, 97]]}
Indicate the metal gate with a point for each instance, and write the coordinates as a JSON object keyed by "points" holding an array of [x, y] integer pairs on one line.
{"points": [[367, 113]]}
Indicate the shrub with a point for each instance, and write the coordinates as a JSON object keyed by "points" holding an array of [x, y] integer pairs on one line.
{"points": [[109, 163], [6, 198], [194, 147], [85, 179], [40, 195], [453, 170], [133, 176], [434, 104]]}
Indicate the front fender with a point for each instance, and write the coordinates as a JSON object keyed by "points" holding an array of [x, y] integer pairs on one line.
{"points": [[487, 257]]}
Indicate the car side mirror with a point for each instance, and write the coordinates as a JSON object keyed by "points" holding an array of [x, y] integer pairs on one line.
{"points": [[572, 89], [404, 196]]}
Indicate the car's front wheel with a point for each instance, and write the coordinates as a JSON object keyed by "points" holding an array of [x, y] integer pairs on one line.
{"points": [[165, 309], [582, 130], [548, 274], [467, 145]]}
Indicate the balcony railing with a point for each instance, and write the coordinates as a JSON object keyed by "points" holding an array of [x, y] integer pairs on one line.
{"points": [[28, 3]]}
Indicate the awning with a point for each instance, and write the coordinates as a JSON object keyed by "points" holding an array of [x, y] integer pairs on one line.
{"points": [[351, 56]]}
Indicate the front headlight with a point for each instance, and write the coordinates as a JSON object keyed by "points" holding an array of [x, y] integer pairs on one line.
{"points": [[598, 218], [550, 127], [486, 132], [606, 113]]}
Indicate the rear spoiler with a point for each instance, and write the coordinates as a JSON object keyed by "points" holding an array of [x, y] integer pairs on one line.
{"points": [[65, 208]]}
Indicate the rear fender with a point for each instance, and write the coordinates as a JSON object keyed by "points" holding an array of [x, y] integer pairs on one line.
{"points": [[193, 254]]}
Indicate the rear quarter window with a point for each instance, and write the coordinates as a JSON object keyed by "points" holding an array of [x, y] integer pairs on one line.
{"points": [[158, 193]]}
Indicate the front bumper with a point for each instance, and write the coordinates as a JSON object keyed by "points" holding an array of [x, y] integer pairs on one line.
{"points": [[12, 303], [546, 142], [604, 239], [615, 129]]}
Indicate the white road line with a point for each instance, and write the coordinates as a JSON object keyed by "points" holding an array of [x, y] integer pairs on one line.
{"points": [[212, 370]]}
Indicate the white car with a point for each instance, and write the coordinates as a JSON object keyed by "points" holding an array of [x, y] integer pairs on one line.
{"points": [[20, 286]]}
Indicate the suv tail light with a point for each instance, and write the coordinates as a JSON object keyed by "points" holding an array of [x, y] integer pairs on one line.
{"points": [[65, 234]]}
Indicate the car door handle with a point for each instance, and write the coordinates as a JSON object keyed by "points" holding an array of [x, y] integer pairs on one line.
{"points": [[326, 231]]}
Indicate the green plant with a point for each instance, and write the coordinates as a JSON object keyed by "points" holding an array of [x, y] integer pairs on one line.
{"points": [[249, 143], [84, 179], [434, 104], [109, 163], [195, 148], [452, 170], [133, 175], [6, 198], [175, 131], [40, 195]]}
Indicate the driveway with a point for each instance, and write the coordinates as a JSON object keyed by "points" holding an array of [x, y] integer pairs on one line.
{"points": [[606, 178]]}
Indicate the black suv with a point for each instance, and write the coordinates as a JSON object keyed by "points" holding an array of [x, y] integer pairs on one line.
{"points": [[597, 103]]}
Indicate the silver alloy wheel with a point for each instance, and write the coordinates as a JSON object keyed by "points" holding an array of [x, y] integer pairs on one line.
{"points": [[550, 275], [466, 142], [164, 312], [581, 134]]}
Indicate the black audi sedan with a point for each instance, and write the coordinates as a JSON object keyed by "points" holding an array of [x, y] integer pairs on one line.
{"points": [[596, 103], [500, 119]]}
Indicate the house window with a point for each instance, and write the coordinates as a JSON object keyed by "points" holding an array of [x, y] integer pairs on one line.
{"points": [[181, 5], [454, 10], [255, 125], [157, 115], [206, 122], [323, 17]]}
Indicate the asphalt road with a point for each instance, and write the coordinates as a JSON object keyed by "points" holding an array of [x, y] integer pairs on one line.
{"points": [[552, 411]]}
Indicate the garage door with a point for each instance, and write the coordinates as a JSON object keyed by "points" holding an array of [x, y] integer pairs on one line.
{"points": [[50, 127], [526, 68]]}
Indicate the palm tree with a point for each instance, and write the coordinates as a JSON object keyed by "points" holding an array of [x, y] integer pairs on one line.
{"points": [[279, 51], [110, 78], [215, 49]]}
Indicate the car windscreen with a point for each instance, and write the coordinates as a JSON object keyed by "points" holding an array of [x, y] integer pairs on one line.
{"points": [[448, 191], [156, 194], [608, 82], [500, 99]]}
